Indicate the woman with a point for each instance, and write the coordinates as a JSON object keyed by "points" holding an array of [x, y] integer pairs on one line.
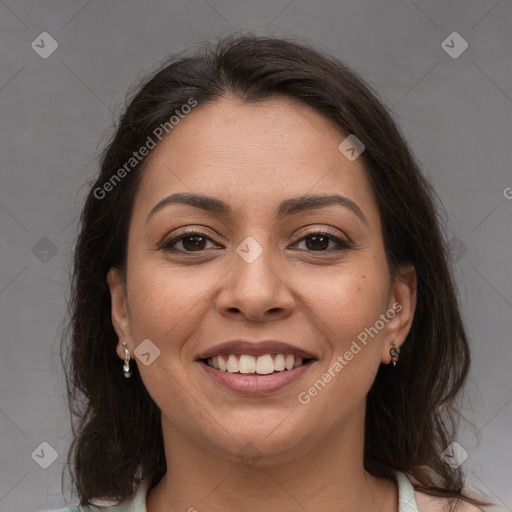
{"points": [[262, 258]]}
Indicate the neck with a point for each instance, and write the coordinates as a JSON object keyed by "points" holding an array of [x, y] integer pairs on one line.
{"points": [[329, 475]]}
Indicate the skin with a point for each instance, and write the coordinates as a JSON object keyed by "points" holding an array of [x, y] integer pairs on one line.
{"points": [[253, 156]]}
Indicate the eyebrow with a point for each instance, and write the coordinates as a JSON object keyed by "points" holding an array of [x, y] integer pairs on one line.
{"points": [[287, 207]]}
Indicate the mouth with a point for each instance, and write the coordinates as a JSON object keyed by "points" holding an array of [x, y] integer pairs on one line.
{"points": [[250, 365], [255, 367]]}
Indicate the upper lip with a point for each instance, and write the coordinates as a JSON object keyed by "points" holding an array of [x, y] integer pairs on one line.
{"points": [[254, 348]]}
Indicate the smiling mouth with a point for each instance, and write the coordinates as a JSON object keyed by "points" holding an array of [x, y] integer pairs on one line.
{"points": [[251, 365]]}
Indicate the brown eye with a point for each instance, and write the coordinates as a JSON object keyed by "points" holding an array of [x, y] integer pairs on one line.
{"points": [[319, 242], [191, 241], [196, 241]]}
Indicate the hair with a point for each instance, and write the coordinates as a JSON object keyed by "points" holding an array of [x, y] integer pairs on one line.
{"points": [[412, 411]]}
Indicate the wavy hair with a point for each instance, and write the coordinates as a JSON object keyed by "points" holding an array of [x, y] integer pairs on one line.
{"points": [[412, 411]]}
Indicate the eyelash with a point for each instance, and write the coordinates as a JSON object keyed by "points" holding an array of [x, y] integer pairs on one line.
{"points": [[168, 244]]}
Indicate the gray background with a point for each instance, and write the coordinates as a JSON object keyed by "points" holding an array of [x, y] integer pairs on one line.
{"points": [[456, 113]]}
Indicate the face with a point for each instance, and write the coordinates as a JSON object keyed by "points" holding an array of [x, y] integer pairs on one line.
{"points": [[250, 264]]}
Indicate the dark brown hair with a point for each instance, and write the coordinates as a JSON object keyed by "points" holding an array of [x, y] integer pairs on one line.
{"points": [[411, 409]]}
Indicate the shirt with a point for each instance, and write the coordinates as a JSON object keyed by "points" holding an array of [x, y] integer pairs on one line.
{"points": [[406, 499]]}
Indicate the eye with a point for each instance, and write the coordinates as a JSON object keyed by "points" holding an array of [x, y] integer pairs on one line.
{"points": [[319, 241], [196, 241], [191, 241]]}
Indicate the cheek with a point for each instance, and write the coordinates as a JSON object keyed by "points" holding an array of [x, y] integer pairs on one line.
{"points": [[166, 309], [353, 346], [347, 302], [356, 299], [166, 304]]}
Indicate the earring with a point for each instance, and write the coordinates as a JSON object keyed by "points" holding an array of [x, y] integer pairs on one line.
{"points": [[394, 353], [126, 366]]}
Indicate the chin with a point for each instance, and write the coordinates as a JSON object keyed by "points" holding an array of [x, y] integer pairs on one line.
{"points": [[264, 443]]}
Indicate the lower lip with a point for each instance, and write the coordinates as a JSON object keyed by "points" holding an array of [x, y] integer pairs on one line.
{"points": [[257, 384]]}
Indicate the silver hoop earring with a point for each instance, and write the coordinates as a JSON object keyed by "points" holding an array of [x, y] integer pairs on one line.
{"points": [[126, 366]]}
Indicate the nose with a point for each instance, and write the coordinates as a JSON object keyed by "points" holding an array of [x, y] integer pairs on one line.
{"points": [[256, 290]]}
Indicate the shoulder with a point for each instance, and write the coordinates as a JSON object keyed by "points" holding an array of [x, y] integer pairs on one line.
{"points": [[411, 500], [427, 503], [122, 507], [135, 504], [71, 508]]}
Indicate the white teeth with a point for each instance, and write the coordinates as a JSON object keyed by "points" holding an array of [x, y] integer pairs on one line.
{"points": [[222, 364], [262, 365], [233, 366], [279, 363], [247, 364]]}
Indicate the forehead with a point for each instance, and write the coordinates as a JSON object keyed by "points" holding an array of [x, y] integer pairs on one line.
{"points": [[254, 154]]}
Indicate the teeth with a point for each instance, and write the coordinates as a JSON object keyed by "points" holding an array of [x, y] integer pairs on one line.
{"points": [[247, 364], [279, 363], [262, 365], [233, 365]]}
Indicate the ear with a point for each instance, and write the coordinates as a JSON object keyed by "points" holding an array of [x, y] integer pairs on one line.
{"points": [[119, 313], [401, 307]]}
